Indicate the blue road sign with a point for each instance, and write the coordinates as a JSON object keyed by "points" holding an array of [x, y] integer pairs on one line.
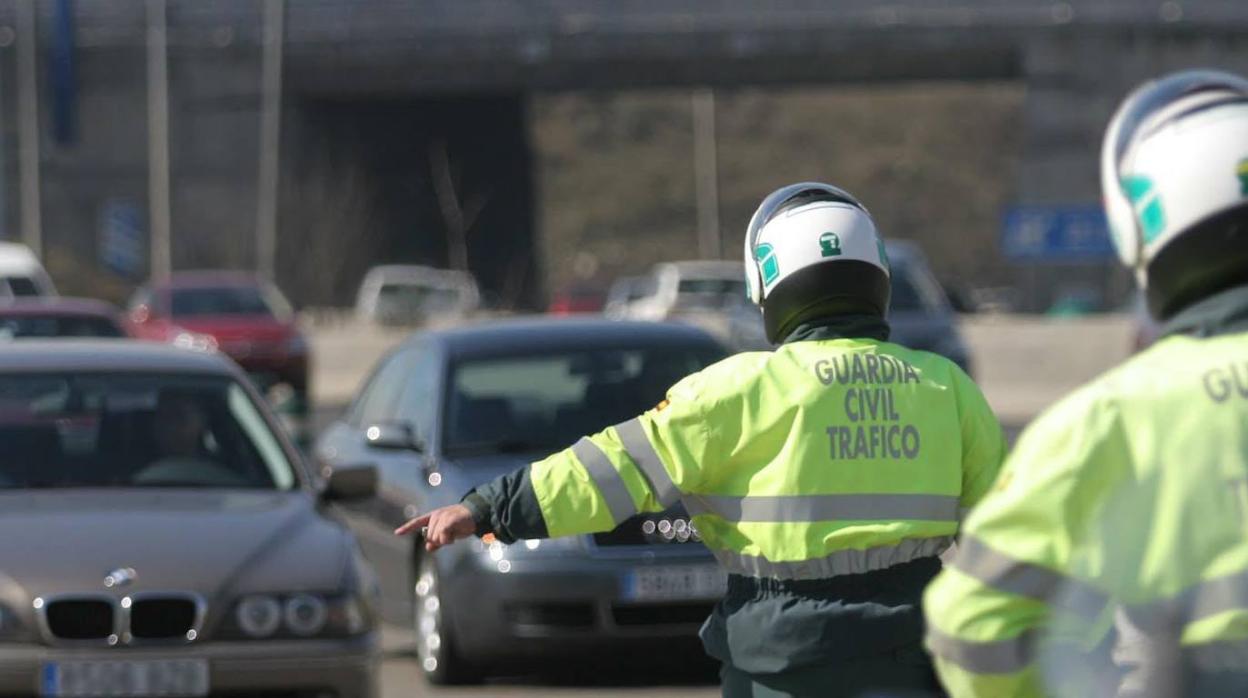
{"points": [[122, 237], [1069, 233]]}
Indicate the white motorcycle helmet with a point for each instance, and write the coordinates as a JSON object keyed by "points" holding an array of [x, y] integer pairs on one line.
{"points": [[812, 250], [1174, 172]]}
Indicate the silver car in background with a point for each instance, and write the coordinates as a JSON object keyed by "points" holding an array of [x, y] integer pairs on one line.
{"points": [[158, 535], [451, 409]]}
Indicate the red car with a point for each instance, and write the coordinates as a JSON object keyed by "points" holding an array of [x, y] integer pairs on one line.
{"points": [[238, 314], [56, 317], [575, 299]]}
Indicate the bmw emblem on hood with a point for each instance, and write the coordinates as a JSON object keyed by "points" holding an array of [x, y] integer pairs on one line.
{"points": [[120, 577]]}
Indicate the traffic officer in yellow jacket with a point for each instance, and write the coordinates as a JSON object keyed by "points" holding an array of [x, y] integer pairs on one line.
{"points": [[1112, 555], [826, 476]]}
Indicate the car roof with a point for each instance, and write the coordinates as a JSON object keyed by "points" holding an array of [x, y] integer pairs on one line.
{"points": [[16, 258], [708, 268], [58, 305], [903, 250], [538, 333], [123, 355]]}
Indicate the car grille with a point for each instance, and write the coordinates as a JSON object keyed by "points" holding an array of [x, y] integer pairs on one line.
{"points": [[661, 614], [162, 618], [80, 619], [671, 527], [556, 615]]}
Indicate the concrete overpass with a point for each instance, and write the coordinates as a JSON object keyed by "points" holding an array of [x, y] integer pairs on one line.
{"points": [[452, 74]]}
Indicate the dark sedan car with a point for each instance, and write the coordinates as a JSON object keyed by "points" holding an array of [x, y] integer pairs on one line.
{"points": [[56, 317], [158, 535], [451, 409]]}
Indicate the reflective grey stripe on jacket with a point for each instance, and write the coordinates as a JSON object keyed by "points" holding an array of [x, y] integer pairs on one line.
{"points": [[825, 507], [1201, 600], [849, 561], [633, 436], [996, 657], [1004, 573], [608, 480]]}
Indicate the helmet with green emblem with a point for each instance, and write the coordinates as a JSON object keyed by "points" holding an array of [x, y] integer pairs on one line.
{"points": [[1174, 172], [812, 251]]}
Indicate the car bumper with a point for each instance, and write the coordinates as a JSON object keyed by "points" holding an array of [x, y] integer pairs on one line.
{"points": [[340, 668], [563, 605]]}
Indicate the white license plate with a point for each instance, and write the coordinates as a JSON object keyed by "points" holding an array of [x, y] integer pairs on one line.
{"points": [[675, 583], [139, 678]]}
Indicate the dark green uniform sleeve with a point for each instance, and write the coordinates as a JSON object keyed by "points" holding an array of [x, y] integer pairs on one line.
{"points": [[507, 507]]}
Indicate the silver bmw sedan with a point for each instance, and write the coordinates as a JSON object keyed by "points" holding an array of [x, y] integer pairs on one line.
{"points": [[159, 536]]}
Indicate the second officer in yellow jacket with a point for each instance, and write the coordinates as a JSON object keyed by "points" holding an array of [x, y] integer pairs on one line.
{"points": [[1111, 557], [826, 476]]}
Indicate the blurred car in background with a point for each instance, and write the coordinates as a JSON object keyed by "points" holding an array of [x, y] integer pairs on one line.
{"points": [[239, 314], [411, 295], [576, 298], [50, 317], [622, 292], [712, 295], [708, 294], [451, 409], [161, 537], [21, 273], [919, 314]]}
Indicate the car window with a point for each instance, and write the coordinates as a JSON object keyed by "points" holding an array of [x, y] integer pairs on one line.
{"points": [[378, 400], [223, 300], [24, 326], [22, 286], [546, 401], [723, 287], [65, 430], [418, 404]]}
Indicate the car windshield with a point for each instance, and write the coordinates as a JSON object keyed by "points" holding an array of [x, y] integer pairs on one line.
{"points": [[419, 297], [228, 300], [22, 286], [547, 401], [31, 326], [66, 430], [710, 293]]}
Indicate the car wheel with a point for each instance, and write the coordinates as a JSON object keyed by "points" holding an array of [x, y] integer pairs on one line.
{"points": [[435, 650]]}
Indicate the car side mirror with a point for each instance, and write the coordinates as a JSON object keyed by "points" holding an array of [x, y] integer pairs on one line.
{"points": [[348, 483], [393, 436]]}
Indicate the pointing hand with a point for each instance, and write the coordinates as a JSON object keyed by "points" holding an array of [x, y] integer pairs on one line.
{"points": [[441, 526]]}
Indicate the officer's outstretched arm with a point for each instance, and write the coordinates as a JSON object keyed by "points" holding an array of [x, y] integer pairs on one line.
{"points": [[1018, 581], [640, 465]]}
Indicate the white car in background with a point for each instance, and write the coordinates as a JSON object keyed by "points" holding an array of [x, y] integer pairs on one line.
{"points": [[710, 294], [21, 273], [408, 294]]}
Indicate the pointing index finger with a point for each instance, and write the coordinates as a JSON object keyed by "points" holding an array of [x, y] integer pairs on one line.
{"points": [[415, 524]]}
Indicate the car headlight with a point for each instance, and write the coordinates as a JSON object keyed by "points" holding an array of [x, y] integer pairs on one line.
{"points": [[305, 614], [259, 616], [301, 615], [498, 553], [195, 341]]}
